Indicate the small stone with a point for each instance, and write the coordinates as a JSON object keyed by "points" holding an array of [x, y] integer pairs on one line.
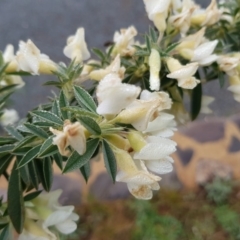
{"points": [[208, 169]]}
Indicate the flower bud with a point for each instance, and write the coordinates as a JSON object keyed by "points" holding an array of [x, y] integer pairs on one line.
{"points": [[155, 67]]}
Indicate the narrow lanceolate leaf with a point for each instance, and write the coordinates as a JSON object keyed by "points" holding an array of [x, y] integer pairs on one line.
{"points": [[24, 173], [33, 174], [58, 160], [56, 108], [6, 148], [86, 170], [63, 102], [196, 101], [7, 140], [90, 125], [47, 174], [5, 234], [26, 142], [15, 200], [29, 156], [80, 111], [109, 159], [48, 117], [14, 133], [76, 161], [221, 79], [84, 99], [37, 131], [48, 149], [32, 195], [4, 162]]}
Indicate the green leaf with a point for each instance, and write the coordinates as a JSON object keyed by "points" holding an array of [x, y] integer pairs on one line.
{"points": [[15, 200], [37, 131], [5, 234], [84, 99], [99, 53], [4, 162], [33, 174], [221, 79], [196, 101], [7, 140], [47, 174], [153, 34], [6, 148], [86, 170], [63, 102], [148, 43], [56, 108], [90, 125], [26, 142], [29, 156], [171, 47], [3, 225], [48, 149], [109, 159], [14, 133], [3, 68], [58, 160], [76, 161], [32, 195], [24, 173], [81, 111], [8, 88], [48, 117]]}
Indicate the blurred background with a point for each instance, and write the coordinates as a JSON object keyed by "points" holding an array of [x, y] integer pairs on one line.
{"points": [[211, 212]]}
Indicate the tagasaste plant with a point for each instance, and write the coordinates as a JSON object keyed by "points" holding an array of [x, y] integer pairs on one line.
{"points": [[129, 113]]}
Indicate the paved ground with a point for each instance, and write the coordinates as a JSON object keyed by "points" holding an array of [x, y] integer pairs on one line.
{"points": [[49, 23]]}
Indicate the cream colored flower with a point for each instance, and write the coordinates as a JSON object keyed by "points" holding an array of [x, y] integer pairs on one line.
{"points": [[203, 53], [72, 135], [208, 16], [163, 126], [10, 58], [139, 181], [76, 47], [140, 112], [114, 67], [113, 95], [31, 60], [184, 74], [155, 67], [229, 64], [124, 41], [9, 117], [157, 12], [206, 100]]}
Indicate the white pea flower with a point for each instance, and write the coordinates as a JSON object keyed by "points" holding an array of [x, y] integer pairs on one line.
{"points": [[49, 213], [163, 126], [124, 41], [31, 60], [72, 135], [155, 67], [114, 67], [155, 148], [9, 117], [153, 151], [10, 58], [157, 12], [140, 112], [208, 16], [203, 53], [34, 231], [183, 74], [76, 47], [113, 95], [139, 181], [206, 100], [229, 64]]}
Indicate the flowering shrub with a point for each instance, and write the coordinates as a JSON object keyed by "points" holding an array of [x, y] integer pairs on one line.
{"points": [[129, 113]]}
